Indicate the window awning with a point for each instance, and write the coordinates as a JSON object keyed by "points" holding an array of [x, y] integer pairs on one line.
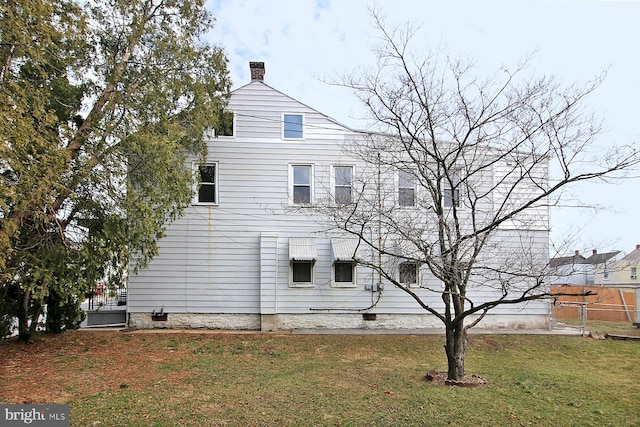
{"points": [[302, 249], [344, 249]]}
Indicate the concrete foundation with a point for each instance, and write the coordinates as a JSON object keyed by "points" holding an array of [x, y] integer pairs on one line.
{"points": [[284, 322]]}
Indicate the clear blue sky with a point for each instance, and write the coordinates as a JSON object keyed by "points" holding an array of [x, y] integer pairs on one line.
{"points": [[303, 42]]}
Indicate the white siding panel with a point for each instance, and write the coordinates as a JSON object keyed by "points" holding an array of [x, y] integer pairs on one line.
{"points": [[210, 260]]}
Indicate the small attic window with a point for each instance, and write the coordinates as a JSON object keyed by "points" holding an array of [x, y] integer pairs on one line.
{"points": [[226, 125], [292, 126]]}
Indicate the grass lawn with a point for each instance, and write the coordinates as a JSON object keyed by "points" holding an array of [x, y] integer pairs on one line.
{"points": [[219, 379]]}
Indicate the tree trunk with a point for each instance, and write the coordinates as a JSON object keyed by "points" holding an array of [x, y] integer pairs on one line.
{"points": [[456, 348], [24, 334]]}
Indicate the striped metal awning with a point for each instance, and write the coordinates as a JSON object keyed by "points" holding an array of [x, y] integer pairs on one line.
{"points": [[344, 249], [302, 249]]}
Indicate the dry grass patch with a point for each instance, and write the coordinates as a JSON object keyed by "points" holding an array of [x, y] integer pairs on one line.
{"points": [[149, 379]]}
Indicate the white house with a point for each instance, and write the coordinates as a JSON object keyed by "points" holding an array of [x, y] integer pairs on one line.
{"points": [[241, 259], [578, 270]]}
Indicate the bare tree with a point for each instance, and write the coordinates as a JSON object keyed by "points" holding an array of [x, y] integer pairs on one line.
{"points": [[459, 179]]}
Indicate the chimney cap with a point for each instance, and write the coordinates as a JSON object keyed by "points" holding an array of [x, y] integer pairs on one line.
{"points": [[257, 70]]}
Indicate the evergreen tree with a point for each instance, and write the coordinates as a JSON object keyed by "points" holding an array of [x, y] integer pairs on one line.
{"points": [[100, 102]]}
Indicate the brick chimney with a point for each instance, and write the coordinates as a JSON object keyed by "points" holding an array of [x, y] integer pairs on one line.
{"points": [[257, 70], [595, 252], [637, 246], [577, 253]]}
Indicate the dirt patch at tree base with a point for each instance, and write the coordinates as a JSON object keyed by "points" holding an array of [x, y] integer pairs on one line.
{"points": [[440, 378]]}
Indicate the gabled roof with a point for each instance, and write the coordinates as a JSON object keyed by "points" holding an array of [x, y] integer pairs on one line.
{"points": [[567, 260], [331, 119], [632, 256], [594, 259], [597, 258]]}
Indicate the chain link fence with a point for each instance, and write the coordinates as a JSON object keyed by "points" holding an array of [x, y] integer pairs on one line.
{"points": [[602, 304]]}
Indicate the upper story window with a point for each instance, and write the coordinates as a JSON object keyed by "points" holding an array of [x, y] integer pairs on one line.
{"points": [[406, 189], [208, 190], [292, 125], [226, 125], [451, 196], [633, 273], [342, 183], [408, 273], [301, 184]]}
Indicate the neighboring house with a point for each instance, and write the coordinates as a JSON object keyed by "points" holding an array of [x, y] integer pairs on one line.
{"points": [[607, 277], [569, 270], [621, 273], [241, 258], [578, 270]]}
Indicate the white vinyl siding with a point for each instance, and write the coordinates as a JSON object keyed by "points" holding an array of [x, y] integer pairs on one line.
{"points": [[212, 258]]}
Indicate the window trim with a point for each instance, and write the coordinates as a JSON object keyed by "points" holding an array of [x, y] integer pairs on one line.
{"points": [[633, 273], [196, 171], [302, 250], [302, 125], [312, 266], [446, 189], [291, 184], [344, 251], [354, 281], [398, 188], [417, 271], [233, 126], [334, 186]]}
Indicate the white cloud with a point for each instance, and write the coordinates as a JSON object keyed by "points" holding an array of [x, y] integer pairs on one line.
{"points": [[303, 40]]}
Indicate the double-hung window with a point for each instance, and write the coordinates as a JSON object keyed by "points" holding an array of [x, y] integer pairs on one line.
{"points": [[633, 273], [301, 184], [208, 189], [406, 189], [342, 184], [451, 196], [292, 126]]}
